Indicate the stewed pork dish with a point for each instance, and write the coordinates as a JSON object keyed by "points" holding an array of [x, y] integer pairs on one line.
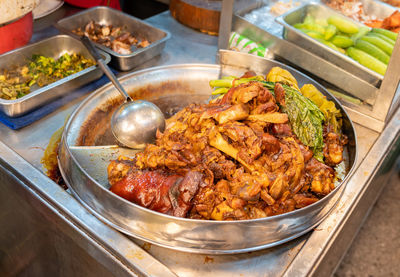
{"points": [[260, 147]]}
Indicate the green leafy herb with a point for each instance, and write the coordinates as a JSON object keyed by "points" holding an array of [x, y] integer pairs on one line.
{"points": [[306, 120]]}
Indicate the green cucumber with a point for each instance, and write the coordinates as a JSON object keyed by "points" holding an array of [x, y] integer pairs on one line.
{"points": [[380, 43], [372, 50], [329, 44], [366, 60], [342, 41], [322, 22], [343, 25], [362, 31], [310, 27], [330, 31], [309, 19], [314, 27], [387, 33], [299, 26], [313, 34], [385, 38]]}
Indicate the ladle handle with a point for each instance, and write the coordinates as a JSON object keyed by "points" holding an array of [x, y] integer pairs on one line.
{"points": [[92, 50]]}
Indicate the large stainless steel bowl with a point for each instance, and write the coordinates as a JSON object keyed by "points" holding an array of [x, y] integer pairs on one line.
{"points": [[172, 87]]}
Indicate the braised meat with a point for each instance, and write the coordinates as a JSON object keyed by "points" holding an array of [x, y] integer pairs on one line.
{"points": [[159, 191], [113, 37], [234, 158]]}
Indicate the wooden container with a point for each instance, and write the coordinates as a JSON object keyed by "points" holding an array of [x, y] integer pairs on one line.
{"points": [[201, 15]]}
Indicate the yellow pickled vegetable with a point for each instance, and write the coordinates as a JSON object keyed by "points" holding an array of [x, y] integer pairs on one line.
{"points": [[343, 25], [328, 108], [279, 75]]}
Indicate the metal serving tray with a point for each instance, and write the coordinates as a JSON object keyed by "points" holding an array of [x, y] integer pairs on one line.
{"points": [[383, 2], [376, 8], [137, 27], [301, 39], [84, 168], [53, 47]]}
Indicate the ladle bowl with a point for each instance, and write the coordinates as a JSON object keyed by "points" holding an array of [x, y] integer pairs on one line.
{"points": [[134, 123]]}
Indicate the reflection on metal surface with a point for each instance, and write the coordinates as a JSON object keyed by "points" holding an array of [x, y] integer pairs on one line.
{"points": [[46, 7], [95, 159]]}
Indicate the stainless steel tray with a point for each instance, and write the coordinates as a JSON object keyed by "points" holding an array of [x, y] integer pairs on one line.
{"points": [[84, 168], [52, 47], [385, 3], [137, 27], [301, 39], [376, 8]]}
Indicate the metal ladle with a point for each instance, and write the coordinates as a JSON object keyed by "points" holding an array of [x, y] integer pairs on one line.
{"points": [[134, 123]]}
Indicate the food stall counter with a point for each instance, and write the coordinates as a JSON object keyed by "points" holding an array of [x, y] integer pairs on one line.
{"points": [[49, 225]]}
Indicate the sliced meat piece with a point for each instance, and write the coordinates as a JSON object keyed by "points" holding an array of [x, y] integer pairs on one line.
{"points": [[282, 129], [303, 200], [248, 74], [118, 169], [268, 107], [246, 92], [244, 137], [123, 37], [116, 31], [279, 94], [278, 187], [322, 177], [182, 193], [105, 30], [270, 144], [235, 112], [120, 47], [143, 44], [333, 149], [307, 153], [265, 96], [242, 93], [269, 117]]}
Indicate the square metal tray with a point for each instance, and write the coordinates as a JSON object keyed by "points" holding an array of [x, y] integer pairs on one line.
{"points": [[386, 3], [374, 7], [299, 38], [109, 16], [53, 47]]}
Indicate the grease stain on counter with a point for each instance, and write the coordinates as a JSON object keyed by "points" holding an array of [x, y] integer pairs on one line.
{"points": [[135, 254], [208, 260], [146, 246]]}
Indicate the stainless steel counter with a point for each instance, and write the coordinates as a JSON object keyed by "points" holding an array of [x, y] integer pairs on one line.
{"points": [[32, 206]]}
